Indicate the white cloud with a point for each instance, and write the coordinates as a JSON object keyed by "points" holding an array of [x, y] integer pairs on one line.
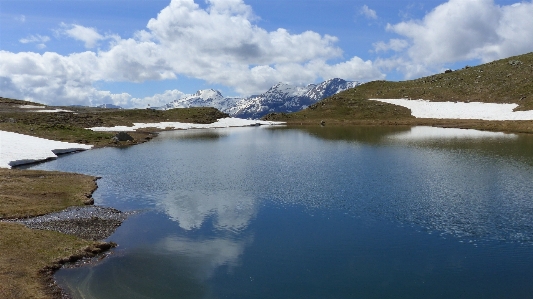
{"points": [[219, 44], [88, 35], [41, 39], [460, 30], [393, 44], [369, 13], [158, 100]]}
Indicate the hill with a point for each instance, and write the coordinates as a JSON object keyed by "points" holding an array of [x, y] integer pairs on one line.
{"points": [[503, 81], [69, 123]]}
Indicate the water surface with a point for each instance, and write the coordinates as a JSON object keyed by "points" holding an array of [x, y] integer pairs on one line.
{"points": [[365, 212]]}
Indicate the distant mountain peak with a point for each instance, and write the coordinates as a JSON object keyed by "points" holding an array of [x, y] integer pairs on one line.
{"points": [[208, 93], [282, 97]]}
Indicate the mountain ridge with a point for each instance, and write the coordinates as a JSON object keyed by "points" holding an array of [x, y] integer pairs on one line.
{"points": [[280, 98]]}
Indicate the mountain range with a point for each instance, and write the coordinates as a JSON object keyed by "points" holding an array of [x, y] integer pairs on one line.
{"points": [[279, 98]]}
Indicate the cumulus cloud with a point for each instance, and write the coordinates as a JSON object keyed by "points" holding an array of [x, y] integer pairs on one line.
{"points": [[369, 13], [220, 44], [461, 30], [88, 35]]}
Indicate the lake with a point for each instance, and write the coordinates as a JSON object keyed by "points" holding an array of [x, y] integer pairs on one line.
{"points": [[356, 212]]}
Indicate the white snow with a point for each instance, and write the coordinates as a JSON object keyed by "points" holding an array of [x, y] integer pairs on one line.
{"points": [[17, 149], [52, 110], [42, 109], [461, 110], [31, 107], [221, 123]]}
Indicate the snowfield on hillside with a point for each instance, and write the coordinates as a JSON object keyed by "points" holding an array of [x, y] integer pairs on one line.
{"points": [[17, 149], [461, 110]]}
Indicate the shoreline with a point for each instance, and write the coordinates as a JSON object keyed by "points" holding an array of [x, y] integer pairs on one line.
{"points": [[91, 228], [100, 248], [27, 271]]}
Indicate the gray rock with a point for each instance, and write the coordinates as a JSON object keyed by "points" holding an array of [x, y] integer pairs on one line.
{"points": [[123, 136]]}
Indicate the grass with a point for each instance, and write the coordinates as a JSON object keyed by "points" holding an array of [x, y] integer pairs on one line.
{"points": [[503, 81], [71, 127], [31, 193], [24, 252]]}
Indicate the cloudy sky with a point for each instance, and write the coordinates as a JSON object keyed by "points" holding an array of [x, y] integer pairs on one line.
{"points": [[138, 52]]}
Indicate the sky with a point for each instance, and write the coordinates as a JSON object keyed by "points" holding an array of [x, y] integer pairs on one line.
{"points": [[135, 53]]}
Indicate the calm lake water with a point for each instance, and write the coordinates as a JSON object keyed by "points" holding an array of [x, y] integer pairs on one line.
{"points": [[365, 212]]}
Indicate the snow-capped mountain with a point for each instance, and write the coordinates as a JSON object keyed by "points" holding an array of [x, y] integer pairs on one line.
{"points": [[109, 106], [204, 98], [286, 98], [279, 98]]}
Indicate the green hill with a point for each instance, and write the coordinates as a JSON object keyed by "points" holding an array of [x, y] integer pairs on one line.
{"points": [[507, 80]]}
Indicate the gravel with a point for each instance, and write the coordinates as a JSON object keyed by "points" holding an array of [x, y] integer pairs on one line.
{"points": [[90, 223]]}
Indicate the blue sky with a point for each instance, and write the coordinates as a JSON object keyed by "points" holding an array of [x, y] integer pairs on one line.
{"points": [[139, 52]]}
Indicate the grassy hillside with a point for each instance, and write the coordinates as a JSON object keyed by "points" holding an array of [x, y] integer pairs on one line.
{"points": [[68, 126], [508, 80]]}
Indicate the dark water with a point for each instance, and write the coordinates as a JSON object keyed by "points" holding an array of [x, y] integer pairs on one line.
{"points": [[314, 213]]}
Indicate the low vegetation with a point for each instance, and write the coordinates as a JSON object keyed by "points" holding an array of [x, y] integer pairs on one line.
{"points": [[503, 81], [71, 126], [29, 257]]}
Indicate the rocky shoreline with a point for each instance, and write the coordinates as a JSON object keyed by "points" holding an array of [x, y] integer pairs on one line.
{"points": [[90, 222], [93, 223]]}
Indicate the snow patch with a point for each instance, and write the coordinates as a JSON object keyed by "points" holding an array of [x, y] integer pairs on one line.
{"points": [[52, 111], [31, 107], [17, 149], [221, 123], [461, 110]]}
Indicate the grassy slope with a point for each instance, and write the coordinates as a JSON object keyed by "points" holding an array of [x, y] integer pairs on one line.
{"points": [[504, 81], [71, 126], [25, 252]]}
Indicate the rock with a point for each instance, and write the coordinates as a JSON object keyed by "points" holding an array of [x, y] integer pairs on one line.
{"points": [[123, 136], [515, 62]]}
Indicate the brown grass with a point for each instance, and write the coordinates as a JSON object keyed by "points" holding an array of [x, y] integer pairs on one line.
{"points": [[71, 127], [24, 253], [30, 193]]}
